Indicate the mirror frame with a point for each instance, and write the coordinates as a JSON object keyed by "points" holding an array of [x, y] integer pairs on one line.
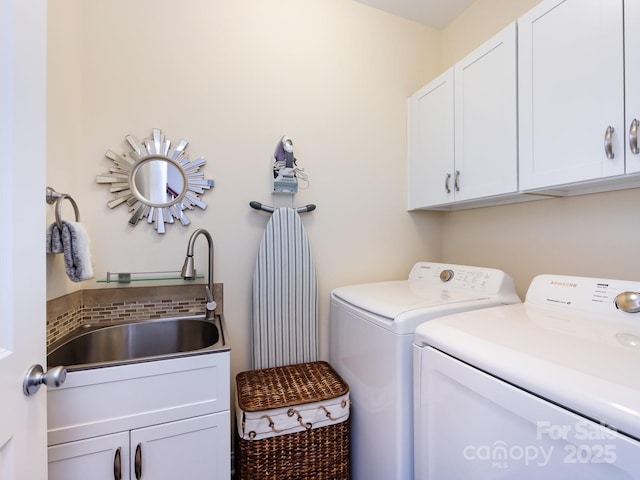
{"points": [[126, 166]]}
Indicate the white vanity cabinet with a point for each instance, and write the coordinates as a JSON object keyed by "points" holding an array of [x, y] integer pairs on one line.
{"points": [[166, 451], [573, 131], [157, 420], [194, 448], [463, 130], [99, 458]]}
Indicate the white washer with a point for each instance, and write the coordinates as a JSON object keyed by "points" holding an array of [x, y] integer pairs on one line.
{"points": [[549, 388], [372, 328]]}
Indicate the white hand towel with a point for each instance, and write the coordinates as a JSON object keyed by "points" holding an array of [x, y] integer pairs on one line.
{"points": [[76, 248]]}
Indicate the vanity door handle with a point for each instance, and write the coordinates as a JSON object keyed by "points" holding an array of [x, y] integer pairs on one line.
{"points": [[633, 137], [455, 181], [117, 465], [138, 462], [608, 143]]}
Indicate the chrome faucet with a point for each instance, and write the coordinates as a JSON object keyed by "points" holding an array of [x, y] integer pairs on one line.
{"points": [[189, 271]]}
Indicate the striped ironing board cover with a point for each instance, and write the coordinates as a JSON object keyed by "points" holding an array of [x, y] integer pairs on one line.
{"points": [[285, 295]]}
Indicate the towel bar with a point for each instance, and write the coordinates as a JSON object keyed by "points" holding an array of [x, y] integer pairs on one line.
{"points": [[58, 198]]}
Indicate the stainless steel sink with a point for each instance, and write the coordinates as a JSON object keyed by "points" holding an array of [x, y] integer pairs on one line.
{"points": [[100, 345]]}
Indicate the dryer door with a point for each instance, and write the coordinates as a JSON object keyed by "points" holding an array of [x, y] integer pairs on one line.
{"points": [[470, 425]]}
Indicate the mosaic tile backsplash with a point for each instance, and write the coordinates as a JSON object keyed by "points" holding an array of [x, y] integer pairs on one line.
{"points": [[66, 313]]}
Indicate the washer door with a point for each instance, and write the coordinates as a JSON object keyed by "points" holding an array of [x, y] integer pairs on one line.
{"points": [[470, 425]]}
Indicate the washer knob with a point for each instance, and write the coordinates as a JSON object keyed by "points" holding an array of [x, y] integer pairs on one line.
{"points": [[446, 275]]}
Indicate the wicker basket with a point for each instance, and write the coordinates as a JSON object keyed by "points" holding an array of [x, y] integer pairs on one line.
{"points": [[316, 450]]}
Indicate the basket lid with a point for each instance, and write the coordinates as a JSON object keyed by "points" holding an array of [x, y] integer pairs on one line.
{"points": [[288, 385]]}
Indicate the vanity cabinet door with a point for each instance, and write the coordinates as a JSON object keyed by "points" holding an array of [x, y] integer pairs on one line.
{"points": [[431, 143], [99, 458], [196, 449], [571, 89]]}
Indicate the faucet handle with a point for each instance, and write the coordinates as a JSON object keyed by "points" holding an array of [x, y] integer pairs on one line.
{"points": [[211, 303]]}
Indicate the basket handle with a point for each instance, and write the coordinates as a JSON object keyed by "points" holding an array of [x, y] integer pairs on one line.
{"points": [[271, 424], [292, 411]]}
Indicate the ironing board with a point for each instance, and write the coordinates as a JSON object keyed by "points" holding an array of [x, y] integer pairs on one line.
{"points": [[285, 294]]}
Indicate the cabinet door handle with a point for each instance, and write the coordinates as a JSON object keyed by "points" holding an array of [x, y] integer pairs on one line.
{"points": [[455, 181], [608, 143], [138, 462], [446, 183], [117, 465], [633, 137]]}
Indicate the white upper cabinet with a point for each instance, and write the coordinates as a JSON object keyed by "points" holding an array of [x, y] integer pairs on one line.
{"points": [[632, 82], [463, 130], [431, 144], [571, 88], [566, 124], [486, 119]]}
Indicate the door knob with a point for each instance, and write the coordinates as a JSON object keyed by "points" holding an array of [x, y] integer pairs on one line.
{"points": [[36, 376]]}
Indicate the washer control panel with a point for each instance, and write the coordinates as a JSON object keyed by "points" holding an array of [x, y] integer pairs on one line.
{"points": [[462, 277]]}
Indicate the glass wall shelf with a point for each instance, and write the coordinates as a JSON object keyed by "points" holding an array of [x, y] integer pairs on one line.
{"points": [[128, 277]]}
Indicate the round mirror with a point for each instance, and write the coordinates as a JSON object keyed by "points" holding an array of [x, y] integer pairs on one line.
{"points": [[156, 180]]}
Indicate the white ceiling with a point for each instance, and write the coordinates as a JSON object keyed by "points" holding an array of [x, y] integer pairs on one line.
{"points": [[433, 13]]}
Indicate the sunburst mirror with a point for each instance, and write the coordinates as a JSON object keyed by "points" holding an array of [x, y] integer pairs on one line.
{"points": [[156, 180]]}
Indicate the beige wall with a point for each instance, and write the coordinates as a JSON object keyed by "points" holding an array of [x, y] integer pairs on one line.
{"points": [[478, 23], [591, 235], [232, 77]]}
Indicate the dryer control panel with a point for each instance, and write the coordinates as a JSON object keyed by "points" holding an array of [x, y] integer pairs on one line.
{"points": [[594, 295]]}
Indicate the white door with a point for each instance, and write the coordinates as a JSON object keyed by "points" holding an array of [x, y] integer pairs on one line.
{"points": [[431, 127], [23, 434], [632, 82], [486, 119], [571, 92]]}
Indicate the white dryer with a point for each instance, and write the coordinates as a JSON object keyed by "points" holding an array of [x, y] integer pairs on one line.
{"points": [[372, 330], [546, 389]]}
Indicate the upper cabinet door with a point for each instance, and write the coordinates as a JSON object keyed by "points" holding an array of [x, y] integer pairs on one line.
{"points": [[632, 82], [486, 119], [430, 112], [571, 88]]}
